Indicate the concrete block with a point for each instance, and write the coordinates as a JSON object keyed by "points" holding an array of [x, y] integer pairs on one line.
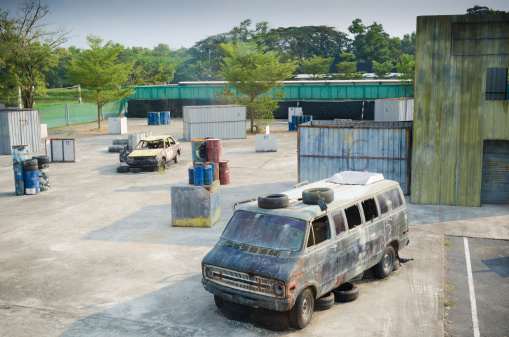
{"points": [[266, 143], [117, 125], [44, 130], [195, 206]]}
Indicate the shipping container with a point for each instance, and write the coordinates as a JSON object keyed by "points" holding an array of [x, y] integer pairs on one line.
{"points": [[328, 147], [391, 110], [19, 127], [214, 121]]}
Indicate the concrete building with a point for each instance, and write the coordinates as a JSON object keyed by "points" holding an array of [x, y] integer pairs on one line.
{"points": [[461, 119]]}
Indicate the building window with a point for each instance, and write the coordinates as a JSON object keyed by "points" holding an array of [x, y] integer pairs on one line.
{"points": [[496, 84]]}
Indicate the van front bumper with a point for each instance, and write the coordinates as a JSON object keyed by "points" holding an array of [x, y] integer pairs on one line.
{"points": [[245, 298]]}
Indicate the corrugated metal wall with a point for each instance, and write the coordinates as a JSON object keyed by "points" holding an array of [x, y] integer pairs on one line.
{"points": [[327, 147], [452, 117], [20, 127], [394, 110], [214, 121]]}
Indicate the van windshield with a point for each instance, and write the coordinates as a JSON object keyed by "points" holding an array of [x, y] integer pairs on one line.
{"points": [[266, 231]]}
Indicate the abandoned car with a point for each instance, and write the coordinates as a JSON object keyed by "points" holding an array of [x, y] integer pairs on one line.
{"points": [[155, 152], [287, 250]]}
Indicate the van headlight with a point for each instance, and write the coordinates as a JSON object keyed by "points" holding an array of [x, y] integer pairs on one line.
{"points": [[278, 288], [208, 272]]}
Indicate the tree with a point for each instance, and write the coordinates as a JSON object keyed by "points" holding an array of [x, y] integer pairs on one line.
{"points": [[316, 65], [372, 43], [27, 49], [382, 70], [253, 73], [347, 69], [99, 70], [483, 10], [406, 67], [408, 44]]}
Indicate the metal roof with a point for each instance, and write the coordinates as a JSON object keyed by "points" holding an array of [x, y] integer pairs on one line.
{"points": [[343, 195]]}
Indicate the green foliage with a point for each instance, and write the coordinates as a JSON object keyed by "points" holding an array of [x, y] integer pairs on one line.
{"points": [[476, 10], [372, 43], [316, 66], [253, 73], [382, 70], [347, 69], [27, 50], [99, 70], [406, 67]]}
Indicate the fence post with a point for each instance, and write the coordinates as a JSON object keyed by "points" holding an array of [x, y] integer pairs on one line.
{"points": [[67, 119]]}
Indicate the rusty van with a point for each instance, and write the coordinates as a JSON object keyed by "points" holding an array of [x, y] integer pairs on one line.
{"points": [[285, 251]]}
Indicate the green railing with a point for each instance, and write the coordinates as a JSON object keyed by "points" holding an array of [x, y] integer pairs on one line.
{"points": [[327, 92], [77, 113]]}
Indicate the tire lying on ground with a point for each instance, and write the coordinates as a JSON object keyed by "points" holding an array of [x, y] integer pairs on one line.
{"points": [[41, 159], [312, 195], [120, 141], [272, 201], [347, 292], [135, 170], [122, 169], [29, 162], [325, 302]]}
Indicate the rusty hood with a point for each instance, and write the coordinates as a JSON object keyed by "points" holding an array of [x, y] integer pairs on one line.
{"points": [[246, 262], [145, 153]]}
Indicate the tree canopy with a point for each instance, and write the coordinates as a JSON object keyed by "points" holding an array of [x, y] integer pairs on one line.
{"points": [[253, 72], [99, 70]]}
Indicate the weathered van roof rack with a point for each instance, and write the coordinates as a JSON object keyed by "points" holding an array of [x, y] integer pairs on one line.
{"points": [[356, 178]]}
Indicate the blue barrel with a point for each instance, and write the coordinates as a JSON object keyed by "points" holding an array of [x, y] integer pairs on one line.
{"points": [[19, 153], [198, 175], [158, 118], [190, 171], [31, 180], [294, 120], [18, 179], [208, 175], [199, 150], [168, 116], [163, 117], [290, 126], [149, 119]]}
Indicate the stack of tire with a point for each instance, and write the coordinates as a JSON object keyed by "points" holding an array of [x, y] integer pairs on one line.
{"points": [[118, 145], [43, 166], [31, 176]]}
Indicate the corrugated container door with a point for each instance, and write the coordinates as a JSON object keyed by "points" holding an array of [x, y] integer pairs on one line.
{"points": [[495, 172]]}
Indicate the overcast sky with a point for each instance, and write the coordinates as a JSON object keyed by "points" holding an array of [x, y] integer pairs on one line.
{"points": [[146, 23]]}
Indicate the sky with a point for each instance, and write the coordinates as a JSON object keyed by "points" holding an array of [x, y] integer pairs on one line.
{"points": [[182, 23]]}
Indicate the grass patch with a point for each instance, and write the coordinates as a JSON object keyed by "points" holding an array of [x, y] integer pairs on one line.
{"points": [[447, 243], [52, 97], [448, 303]]}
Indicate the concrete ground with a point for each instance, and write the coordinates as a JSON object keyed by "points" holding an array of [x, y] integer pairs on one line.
{"points": [[96, 255]]}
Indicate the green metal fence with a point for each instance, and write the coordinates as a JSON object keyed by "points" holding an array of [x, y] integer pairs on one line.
{"points": [[324, 92], [77, 113]]}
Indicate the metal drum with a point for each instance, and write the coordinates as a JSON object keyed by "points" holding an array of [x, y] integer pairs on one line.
{"points": [[208, 175], [198, 175], [158, 118], [214, 150], [199, 150], [190, 171], [18, 179], [31, 180], [224, 172]]}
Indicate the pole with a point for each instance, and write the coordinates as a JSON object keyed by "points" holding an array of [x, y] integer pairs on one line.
{"points": [[79, 93], [20, 104], [362, 117]]}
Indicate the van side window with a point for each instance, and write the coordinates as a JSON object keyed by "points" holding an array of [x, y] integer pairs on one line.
{"points": [[353, 216], [319, 231], [393, 196], [339, 222], [369, 208]]}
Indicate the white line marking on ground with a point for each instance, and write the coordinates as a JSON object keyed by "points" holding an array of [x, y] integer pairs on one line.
{"points": [[475, 322]]}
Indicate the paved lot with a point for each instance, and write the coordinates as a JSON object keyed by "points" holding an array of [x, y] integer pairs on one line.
{"points": [[96, 255]]}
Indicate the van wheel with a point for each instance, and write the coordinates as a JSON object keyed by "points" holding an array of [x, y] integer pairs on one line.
{"points": [[386, 265], [325, 302], [312, 195], [219, 301], [347, 292], [302, 311], [177, 158], [272, 201]]}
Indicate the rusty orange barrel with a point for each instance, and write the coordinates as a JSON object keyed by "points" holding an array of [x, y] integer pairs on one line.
{"points": [[214, 150], [224, 172]]}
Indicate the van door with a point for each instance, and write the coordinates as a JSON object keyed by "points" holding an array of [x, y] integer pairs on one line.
{"points": [[320, 262], [343, 245], [375, 230], [357, 240]]}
